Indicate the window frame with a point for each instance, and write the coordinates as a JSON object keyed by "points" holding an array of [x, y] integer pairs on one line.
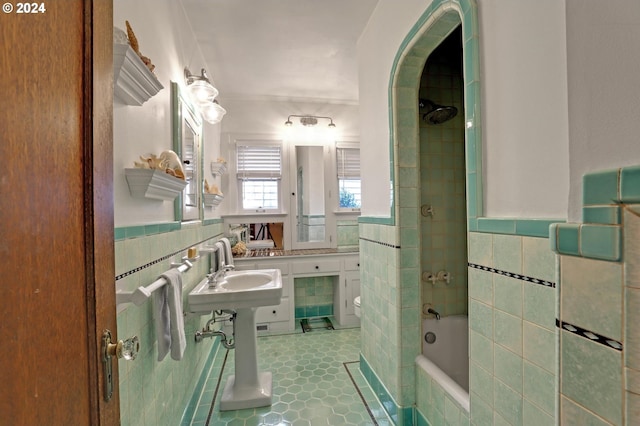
{"points": [[277, 178]]}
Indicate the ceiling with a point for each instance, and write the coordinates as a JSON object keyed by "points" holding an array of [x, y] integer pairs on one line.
{"points": [[281, 49]]}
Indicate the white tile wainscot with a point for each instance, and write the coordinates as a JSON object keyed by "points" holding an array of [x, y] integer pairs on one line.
{"points": [[345, 266]]}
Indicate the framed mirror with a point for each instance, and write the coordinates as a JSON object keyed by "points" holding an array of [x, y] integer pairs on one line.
{"points": [[187, 143]]}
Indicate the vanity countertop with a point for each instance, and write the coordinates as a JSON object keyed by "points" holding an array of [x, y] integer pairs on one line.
{"points": [[266, 253]]}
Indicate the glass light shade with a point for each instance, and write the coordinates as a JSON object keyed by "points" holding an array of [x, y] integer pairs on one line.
{"points": [[202, 91], [212, 112]]}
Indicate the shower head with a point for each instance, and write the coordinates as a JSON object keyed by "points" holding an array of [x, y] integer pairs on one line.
{"points": [[436, 114]]}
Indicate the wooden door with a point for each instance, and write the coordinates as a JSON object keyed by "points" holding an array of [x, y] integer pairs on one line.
{"points": [[56, 213]]}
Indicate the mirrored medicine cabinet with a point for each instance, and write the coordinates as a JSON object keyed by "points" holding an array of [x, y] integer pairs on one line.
{"points": [[310, 197], [187, 143]]}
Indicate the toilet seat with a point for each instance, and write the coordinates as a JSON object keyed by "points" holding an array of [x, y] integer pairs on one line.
{"points": [[356, 305]]}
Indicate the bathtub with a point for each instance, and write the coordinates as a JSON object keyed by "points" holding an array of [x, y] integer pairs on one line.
{"points": [[446, 360]]}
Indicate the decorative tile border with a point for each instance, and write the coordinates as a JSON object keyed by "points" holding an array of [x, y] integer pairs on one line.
{"points": [[514, 226], [587, 334], [600, 234], [163, 258], [127, 232], [377, 220], [380, 243], [355, 385], [190, 410], [379, 389], [513, 275], [313, 311], [593, 241]]}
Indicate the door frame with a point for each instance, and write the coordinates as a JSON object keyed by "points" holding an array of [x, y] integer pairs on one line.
{"points": [[57, 294]]}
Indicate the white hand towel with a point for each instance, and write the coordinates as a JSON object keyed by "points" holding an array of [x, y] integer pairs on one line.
{"points": [[221, 255], [169, 317], [228, 255]]}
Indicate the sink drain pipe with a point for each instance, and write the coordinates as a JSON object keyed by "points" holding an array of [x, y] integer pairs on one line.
{"points": [[227, 342]]}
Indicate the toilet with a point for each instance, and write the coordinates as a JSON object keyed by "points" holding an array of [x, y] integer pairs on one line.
{"points": [[356, 305]]}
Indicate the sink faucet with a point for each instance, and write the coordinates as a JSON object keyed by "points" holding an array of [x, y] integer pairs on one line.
{"points": [[215, 277]]}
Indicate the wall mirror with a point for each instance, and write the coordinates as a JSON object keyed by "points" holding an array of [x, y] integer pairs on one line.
{"points": [[268, 235], [187, 143], [310, 196]]}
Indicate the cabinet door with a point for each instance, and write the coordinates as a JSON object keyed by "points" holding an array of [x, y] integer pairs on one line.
{"points": [[268, 314]]}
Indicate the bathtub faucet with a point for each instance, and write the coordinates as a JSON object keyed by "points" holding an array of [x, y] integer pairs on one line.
{"points": [[433, 312]]}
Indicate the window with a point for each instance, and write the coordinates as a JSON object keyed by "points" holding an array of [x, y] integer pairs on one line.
{"points": [[259, 171], [348, 166]]}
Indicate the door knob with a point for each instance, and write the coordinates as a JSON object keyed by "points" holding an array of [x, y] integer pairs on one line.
{"points": [[127, 349]]}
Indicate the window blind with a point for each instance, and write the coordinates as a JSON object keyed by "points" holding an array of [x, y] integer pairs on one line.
{"points": [[348, 163], [259, 161]]}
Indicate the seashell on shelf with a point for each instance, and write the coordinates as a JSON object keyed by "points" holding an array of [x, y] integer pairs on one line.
{"points": [[153, 162], [171, 160]]}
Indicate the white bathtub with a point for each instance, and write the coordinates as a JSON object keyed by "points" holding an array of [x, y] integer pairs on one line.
{"points": [[446, 360]]}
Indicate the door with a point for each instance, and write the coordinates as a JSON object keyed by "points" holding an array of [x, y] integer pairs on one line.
{"points": [[56, 209]]}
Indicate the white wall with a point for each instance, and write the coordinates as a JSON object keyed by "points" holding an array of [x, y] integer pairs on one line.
{"points": [[524, 108], [523, 77], [377, 47], [603, 44], [165, 36]]}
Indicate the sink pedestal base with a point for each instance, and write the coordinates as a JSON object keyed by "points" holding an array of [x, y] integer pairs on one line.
{"points": [[240, 397], [247, 388]]}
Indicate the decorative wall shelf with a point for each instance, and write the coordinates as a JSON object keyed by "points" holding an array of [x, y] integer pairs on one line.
{"points": [[212, 200], [218, 168], [154, 184], [133, 84]]}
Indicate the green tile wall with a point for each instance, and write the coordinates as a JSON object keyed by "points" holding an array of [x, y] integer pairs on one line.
{"points": [[347, 233], [599, 377], [381, 343], [512, 337], [314, 296], [434, 405], [153, 392]]}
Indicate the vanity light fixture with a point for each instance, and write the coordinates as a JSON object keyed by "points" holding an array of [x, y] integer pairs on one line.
{"points": [[200, 87], [204, 94], [309, 120], [212, 112]]}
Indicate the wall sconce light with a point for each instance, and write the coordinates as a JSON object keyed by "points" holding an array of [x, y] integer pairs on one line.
{"points": [[212, 112], [203, 93], [200, 87], [309, 120]]}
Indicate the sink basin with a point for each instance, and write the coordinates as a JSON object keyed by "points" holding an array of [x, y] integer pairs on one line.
{"points": [[237, 282], [238, 289]]}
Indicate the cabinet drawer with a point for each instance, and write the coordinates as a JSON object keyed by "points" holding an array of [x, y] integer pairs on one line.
{"points": [[352, 264], [273, 313], [319, 267]]}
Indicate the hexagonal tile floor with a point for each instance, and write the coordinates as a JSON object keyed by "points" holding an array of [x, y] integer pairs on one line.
{"points": [[316, 381]]}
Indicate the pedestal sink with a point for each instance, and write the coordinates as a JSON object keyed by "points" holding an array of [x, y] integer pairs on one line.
{"points": [[242, 291]]}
